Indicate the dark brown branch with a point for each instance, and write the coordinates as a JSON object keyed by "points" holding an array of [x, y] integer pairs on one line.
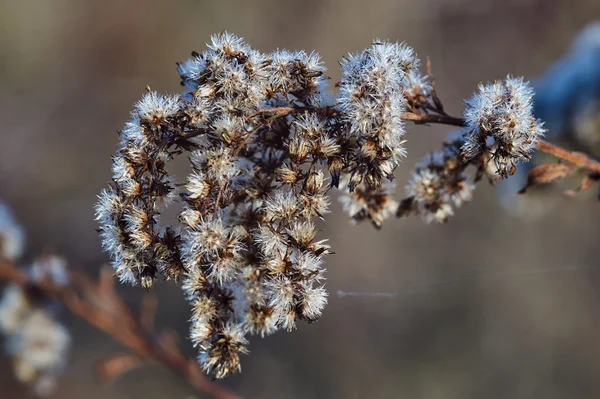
{"points": [[283, 111], [99, 305], [433, 118]]}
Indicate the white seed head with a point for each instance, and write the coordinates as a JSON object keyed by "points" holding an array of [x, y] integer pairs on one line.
{"points": [[109, 206], [269, 241], [502, 111], [281, 205], [42, 342], [155, 108], [281, 292], [424, 186], [312, 302], [197, 185]]}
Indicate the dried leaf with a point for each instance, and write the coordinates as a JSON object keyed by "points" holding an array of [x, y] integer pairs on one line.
{"points": [[586, 183], [108, 370], [544, 174]]}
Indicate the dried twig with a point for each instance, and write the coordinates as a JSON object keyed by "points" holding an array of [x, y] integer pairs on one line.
{"points": [[576, 158], [420, 119], [99, 304]]}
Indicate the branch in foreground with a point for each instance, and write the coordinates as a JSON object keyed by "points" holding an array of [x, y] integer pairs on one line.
{"points": [[100, 305], [421, 119], [576, 158]]}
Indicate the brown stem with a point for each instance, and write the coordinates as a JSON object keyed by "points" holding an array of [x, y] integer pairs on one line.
{"points": [[576, 158], [283, 111], [433, 118], [100, 306]]}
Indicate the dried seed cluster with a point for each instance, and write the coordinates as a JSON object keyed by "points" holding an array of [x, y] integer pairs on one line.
{"points": [[500, 123], [266, 141], [372, 101], [364, 203], [36, 341], [141, 185], [249, 248], [438, 184]]}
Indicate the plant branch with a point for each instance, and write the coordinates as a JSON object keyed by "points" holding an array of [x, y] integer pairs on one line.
{"points": [[99, 304], [421, 119], [578, 159]]}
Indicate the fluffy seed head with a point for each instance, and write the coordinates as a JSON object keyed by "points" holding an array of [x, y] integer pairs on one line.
{"points": [[502, 112]]}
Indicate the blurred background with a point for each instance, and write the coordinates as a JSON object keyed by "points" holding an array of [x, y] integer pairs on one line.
{"points": [[494, 304]]}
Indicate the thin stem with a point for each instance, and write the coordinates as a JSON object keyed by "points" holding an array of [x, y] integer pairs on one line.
{"points": [[576, 158], [283, 111], [101, 307], [433, 118]]}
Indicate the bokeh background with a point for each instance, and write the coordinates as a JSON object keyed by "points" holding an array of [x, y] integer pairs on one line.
{"points": [[494, 304]]}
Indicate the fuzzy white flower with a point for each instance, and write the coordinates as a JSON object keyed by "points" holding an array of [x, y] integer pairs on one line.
{"points": [[364, 202], [313, 301], [503, 112], [372, 101], [281, 205], [155, 108]]}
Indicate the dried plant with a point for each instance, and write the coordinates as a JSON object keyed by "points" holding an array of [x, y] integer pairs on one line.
{"points": [[268, 142]]}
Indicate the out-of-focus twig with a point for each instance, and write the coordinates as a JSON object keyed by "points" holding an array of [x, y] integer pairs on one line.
{"points": [[99, 304]]}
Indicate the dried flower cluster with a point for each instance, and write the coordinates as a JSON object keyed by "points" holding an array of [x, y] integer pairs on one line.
{"points": [[500, 125], [35, 340], [371, 101], [266, 141], [500, 131], [438, 184], [365, 203], [141, 185]]}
